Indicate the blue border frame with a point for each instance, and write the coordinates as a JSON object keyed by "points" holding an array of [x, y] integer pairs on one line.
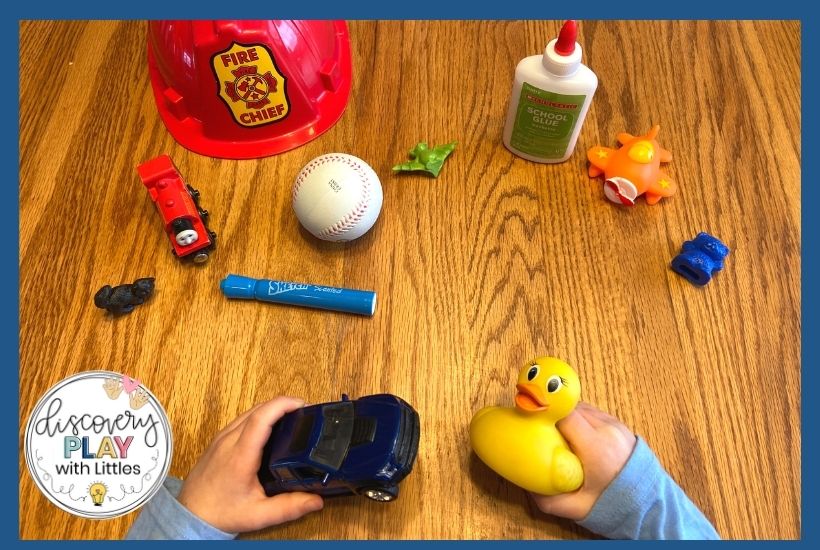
{"points": [[452, 9], [10, 280]]}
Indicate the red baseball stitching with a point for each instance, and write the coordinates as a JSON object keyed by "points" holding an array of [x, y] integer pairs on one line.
{"points": [[353, 217]]}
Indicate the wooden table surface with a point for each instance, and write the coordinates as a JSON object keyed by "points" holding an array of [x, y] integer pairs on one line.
{"points": [[496, 261]]}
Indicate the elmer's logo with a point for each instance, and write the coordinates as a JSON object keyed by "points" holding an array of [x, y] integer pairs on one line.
{"points": [[98, 444], [250, 84]]}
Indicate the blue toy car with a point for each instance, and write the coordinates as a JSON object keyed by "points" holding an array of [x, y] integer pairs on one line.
{"points": [[364, 447]]}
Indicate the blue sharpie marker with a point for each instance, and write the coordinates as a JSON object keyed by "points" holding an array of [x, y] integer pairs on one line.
{"points": [[347, 300]]}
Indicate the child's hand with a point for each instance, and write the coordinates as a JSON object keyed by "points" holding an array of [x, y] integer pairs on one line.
{"points": [[603, 444], [223, 488]]}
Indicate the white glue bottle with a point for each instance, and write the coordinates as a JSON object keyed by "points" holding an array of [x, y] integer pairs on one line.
{"points": [[550, 98]]}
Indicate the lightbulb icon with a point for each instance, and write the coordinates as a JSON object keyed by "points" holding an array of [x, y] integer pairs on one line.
{"points": [[97, 492]]}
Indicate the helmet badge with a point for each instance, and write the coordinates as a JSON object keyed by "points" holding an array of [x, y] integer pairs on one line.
{"points": [[250, 84]]}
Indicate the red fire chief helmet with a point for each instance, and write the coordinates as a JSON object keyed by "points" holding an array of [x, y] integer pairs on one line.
{"points": [[248, 89]]}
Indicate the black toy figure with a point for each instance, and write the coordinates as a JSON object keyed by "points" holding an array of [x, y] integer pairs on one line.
{"points": [[123, 298]]}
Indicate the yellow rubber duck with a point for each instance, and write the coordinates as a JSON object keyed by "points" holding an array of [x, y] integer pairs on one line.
{"points": [[522, 443]]}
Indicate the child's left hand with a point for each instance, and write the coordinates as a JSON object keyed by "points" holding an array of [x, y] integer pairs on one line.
{"points": [[603, 444], [223, 488]]}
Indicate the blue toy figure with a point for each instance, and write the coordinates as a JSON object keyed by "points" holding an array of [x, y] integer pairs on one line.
{"points": [[700, 258]]}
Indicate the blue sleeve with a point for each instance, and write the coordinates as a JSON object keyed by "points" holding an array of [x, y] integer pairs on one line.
{"points": [[644, 502], [165, 518]]}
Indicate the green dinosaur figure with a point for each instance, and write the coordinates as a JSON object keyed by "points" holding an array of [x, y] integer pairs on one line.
{"points": [[426, 159]]}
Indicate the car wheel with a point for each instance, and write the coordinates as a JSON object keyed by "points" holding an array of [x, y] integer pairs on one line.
{"points": [[381, 494]]}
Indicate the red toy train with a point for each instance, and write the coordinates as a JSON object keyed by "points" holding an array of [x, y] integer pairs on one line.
{"points": [[178, 204]]}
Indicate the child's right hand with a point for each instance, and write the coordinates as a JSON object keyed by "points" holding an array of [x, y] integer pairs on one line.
{"points": [[223, 488], [603, 444]]}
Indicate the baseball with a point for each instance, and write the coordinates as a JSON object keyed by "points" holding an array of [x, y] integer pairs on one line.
{"points": [[337, 197]]}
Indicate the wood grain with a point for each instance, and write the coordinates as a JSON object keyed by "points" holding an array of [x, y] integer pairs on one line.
{"points": [[494, 262]]}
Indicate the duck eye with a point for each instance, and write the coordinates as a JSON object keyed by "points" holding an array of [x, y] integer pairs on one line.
{"points": [[532, 373], [554, 384]]}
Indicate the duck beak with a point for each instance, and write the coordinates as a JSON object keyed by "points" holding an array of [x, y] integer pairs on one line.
{"points": [[529, 398]]}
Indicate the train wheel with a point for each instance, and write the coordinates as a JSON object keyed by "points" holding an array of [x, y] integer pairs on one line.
{"points": [[193, 192], [200, 257]]}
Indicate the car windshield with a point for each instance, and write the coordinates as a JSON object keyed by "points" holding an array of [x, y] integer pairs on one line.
{"points": [[337, 428], [301, 434]]}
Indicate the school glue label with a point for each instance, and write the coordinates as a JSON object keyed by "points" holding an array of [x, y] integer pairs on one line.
{"points": [[545, 121]]}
